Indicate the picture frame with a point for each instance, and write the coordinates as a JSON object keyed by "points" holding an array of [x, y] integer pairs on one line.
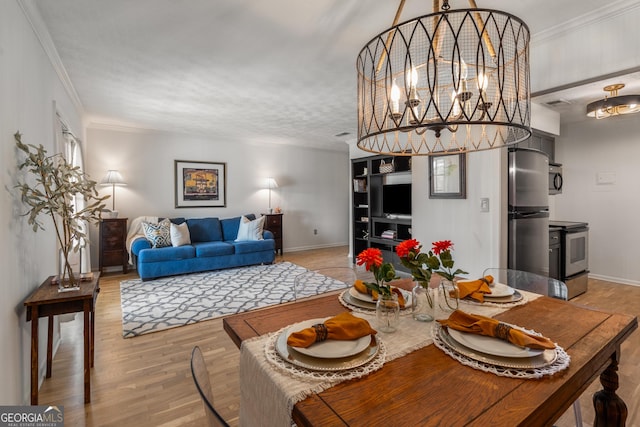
{"points": [[200, 184], [447, 176]]}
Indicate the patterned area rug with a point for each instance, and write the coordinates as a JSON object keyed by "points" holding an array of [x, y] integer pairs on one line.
{"points": [[170, 302]]}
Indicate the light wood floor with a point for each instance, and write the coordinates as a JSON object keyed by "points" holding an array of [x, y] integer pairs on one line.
{"points": [[146, 381]]}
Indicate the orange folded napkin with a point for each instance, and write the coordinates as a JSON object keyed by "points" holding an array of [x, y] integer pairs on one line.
{"points": [[475, 288], [362, 288], [344, 326], [476, 324]]}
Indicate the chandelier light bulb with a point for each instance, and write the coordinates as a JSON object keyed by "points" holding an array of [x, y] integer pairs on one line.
{"points": [[395, 98]]}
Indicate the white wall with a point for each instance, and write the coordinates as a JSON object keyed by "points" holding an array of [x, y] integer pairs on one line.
{"points": [[29, 87], [478, 237], [586, 48], [311, 182], [609, 146]]}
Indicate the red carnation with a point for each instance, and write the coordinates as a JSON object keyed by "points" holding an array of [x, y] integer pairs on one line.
{"points": [[371, 257], [411, 245], [441, 246]]}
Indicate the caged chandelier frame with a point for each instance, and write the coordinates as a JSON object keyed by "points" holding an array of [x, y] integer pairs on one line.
{"points": [[452, 81]]}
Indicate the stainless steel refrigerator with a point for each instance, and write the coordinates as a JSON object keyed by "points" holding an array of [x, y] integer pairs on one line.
{"points": [[529, 211]]}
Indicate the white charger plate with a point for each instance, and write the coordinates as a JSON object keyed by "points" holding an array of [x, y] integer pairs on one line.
{"points": [[499, 290], [329, 349], [368, 298], [491, 345]]}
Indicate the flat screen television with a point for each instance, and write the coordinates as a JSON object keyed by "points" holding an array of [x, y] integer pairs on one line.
{"points": [[396, 199]]}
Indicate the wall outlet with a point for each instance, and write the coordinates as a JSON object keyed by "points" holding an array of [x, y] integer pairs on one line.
{"points": [[315, 231], [484, 204]]}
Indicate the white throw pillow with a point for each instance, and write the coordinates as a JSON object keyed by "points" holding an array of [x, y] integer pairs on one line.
{"points": [[180, 234], [250, 230]]}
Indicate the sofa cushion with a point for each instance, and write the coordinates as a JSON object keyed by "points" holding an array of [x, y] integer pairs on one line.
{"points": [[230, 228], [205, 230], [180, 234], [166, 254], [158, 234], [212, 249], [254, 246], [250, 230]]}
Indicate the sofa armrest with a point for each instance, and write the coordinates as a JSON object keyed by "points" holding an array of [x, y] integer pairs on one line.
{"points": [[266, 234], [139, 244]]}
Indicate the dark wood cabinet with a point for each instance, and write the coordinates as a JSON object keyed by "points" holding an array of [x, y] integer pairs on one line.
{"points": [[113, 246], [273, 223]]}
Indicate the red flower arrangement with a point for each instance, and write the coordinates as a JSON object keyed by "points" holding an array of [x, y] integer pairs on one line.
{"points": [[382, 271], [423, 265]]}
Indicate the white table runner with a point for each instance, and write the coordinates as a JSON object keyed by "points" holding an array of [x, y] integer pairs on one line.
{"points": [[268, 395]]}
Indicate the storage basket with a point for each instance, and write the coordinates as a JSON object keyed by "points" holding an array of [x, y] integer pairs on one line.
{"points": [[386, 167]]}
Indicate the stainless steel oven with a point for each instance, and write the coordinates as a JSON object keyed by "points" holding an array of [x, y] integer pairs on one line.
{"points": [[574, 255]]}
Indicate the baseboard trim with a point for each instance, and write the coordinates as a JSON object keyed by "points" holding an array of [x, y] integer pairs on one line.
{"points": [[614, 279]]}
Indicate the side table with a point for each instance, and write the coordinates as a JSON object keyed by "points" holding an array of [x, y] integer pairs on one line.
{"points": [[113, 246], [47, 301], [273, 223]]}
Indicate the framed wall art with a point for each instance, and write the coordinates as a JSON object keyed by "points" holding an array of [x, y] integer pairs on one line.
{"points": [[447, 176], [200, 184]]}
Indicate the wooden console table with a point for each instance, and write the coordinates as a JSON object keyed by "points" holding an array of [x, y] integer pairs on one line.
{"points": [[46, 301]]}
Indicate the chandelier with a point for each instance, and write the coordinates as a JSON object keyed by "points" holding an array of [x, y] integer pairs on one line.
{"points": [[451, 81], [614, 105]]}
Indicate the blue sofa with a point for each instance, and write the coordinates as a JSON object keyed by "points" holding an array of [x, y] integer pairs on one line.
{"points": [[212, 247]]}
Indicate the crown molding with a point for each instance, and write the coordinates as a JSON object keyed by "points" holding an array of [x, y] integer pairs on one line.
{"points": [[42, 33], [604, 13]]}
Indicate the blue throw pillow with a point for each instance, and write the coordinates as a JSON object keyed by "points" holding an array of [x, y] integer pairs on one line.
{"points": [[204, 230]]}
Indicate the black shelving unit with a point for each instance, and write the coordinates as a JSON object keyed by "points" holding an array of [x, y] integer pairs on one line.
{"points": [[369, 222]]}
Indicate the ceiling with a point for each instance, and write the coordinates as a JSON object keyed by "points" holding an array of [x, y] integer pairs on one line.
{"points": [[277, 71]]}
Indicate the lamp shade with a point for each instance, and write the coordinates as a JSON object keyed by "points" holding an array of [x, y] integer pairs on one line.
{"points": [[272, 183], [113, 177]]}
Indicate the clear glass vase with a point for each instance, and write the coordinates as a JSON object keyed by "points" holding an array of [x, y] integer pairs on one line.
{"points": [[423, 303], [388, 313], [448, 296]]}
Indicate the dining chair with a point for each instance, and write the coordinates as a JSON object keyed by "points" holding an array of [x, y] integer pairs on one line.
{"points": [[537, 284], [312, 279], [201, 379]]}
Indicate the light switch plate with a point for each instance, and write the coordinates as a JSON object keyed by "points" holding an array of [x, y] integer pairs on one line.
{"points": [[484, 204]]}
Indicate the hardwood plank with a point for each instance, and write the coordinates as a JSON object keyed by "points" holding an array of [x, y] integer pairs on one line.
{"points": [[145, 381]]}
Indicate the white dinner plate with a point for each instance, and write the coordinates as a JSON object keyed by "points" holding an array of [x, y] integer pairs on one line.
{"points": [[367, 298], [499, 290], [329, 349], [291, 355], [547, 358], [492, 345], [349, 299]]}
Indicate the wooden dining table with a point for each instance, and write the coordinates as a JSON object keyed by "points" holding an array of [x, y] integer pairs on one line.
{"points": [[428, 387]]}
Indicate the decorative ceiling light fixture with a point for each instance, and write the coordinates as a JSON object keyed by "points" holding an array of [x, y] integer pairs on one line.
{"points": [[614, 105], [452, 81]]}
